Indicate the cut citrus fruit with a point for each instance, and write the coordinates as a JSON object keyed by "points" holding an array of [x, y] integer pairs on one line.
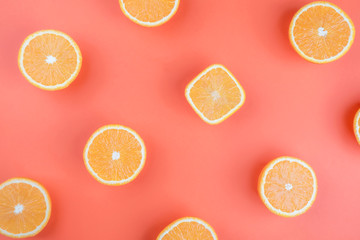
{"points": [[321, 32], [188, 228], [49, 59], [357, 126], [114, 155], [215, 94], [25, 208], [287, 186], [149, 13]]}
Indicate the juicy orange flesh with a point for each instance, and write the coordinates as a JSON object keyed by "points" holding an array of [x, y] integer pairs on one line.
{"points": [[149, 10], [215, 94], [189, 230], [357, 124], [33, 213], [306, 32], [101, 151], [298, 196], [39, 49]]}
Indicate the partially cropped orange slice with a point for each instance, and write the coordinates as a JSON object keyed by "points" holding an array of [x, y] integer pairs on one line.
{"points": [[357, 126], [149, 13], [321, 32], [188, 228], [287, 186], [49, 59], [114, 155], [215, 94], [25, 208]]}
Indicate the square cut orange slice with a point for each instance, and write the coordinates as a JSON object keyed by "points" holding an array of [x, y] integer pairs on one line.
{"points": [[215, 94]]}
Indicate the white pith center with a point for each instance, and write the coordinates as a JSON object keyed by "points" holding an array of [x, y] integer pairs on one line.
{"points": [[18, 208], [288, 186], [215, 95], [115, 155], [322, 32], [50, 59]]}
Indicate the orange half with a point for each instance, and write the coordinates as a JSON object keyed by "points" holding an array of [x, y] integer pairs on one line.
{"points": [[188, 228], [321, 32], [49, 60], [149, 13], [114, 155], [215, 94], [25, 208], [357, 126], [287, 186]]}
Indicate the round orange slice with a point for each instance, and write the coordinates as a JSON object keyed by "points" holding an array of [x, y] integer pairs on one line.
{"points": [[25, 208], [321, 32], [357, 126], [49, 60], [188, 228], [149, 13], [215, 94], [114, 155], [287, 186]]}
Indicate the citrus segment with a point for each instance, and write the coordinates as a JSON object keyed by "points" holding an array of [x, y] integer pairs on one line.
{"points": [[188, 228], [321, 32], [149, 13], [49, 59], [114, 155], [287, 186], [24, 208], [215, 94]]}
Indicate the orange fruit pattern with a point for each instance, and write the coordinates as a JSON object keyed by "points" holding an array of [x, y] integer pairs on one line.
{"points": [[114, 155], [149, 13], [25, 208], [287, 186], [215, 94], [49, 59], [188, 228], [321, 32]]}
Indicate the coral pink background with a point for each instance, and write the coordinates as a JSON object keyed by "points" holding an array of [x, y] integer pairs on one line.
{"points": [[136, 76]]}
